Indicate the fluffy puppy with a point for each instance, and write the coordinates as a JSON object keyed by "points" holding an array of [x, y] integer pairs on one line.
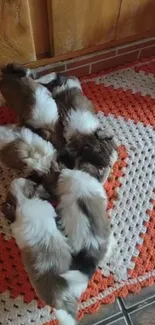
{"points": [[91, 146], [67, 92], [82, 204], [45, 251], [32, 102], [82, 131], [22, 149]]}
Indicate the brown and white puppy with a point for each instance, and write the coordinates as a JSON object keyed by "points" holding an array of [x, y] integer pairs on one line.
{"points": [[32, 102], [85, 141], [67, 92], [81, 208], [22, 149], [92, 148], [45, 251]]}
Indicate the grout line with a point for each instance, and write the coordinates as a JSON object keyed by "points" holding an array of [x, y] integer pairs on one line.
{"points": [[143, 306], [90, 68], [139, 53], [110, 57], [130, 51], [112, 323], [52, 66], [145, 40], [139, 305], [80, 66], [125, 313], [116, 286]]}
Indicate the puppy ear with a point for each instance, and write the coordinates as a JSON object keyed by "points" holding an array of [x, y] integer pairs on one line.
{"points": [[60, 80], [16, 69], [9, 208], [104, 135]]}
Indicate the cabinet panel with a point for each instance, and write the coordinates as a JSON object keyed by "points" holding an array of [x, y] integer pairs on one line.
{"points": [[39, 20], [137, 18], [16, 40], [80, 24]]}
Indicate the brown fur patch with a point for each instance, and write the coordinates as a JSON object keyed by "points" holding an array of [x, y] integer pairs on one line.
{"points": [[72, 98], [92, 149], [11, 156], [19, 94]]}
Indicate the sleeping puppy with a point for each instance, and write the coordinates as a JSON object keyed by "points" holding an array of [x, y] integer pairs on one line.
{"points": [[86, 143], [81, 208], [24, 150], [32, 102], [44, 249], [67, 92], [90, 145]]}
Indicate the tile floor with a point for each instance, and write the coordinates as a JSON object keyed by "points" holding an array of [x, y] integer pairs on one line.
{"points": [[136, 309]]}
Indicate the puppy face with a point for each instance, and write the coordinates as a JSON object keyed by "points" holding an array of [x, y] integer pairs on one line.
{"points": [[21, 188], [95, 148], [14, 196]]}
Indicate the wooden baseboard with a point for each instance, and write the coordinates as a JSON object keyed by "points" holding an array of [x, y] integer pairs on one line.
{"points": [[60, 58], [98, 60]]}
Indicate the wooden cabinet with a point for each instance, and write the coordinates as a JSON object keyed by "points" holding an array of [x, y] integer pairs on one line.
{"points": [[80, 24], [32, 29], [136, 19], [16, 38]]}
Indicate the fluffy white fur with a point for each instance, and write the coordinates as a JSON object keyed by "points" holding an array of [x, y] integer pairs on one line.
{"points": [[47, 78], [35, 223], [9, 133], [34, 151], [71, 82], [73, 185], [34, 226], [40, 153], [63, 317], [28, 230], [45, 111], [77, 282], [80, 121]]}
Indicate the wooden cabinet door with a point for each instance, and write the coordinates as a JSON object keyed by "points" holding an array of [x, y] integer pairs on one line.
{"points": [[136, 19], [16, 39], [80, 24]]}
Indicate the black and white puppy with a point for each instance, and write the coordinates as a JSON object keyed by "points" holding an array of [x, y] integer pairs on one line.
{"points": [[45, 250]]}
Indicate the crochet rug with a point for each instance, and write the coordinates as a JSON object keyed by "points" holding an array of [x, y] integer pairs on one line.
{"points": [[125, 101]]}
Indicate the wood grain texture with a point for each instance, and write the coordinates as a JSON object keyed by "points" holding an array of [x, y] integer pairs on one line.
{"points": [[79, 24], [137, 17], [16, 40], [39, 20]]}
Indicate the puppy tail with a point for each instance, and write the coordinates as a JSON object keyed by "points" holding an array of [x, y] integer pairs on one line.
{"points": [[64, 317], [15, 69], [76, 284]]}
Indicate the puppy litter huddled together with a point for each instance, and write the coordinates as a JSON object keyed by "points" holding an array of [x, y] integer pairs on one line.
{"points": [[67, 157]]}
